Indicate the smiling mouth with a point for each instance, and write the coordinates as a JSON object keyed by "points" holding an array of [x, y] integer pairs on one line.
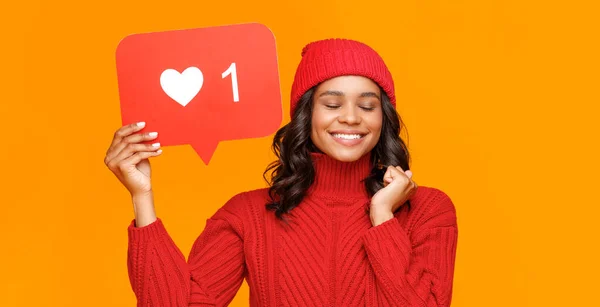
{"points": [[344, 136]]}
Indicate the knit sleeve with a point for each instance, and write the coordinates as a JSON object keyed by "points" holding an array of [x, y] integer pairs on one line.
{"points": [[215, 269], [416, 270]]}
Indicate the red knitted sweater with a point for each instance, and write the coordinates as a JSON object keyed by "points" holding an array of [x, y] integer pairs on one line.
{"points": [[328, 255]]}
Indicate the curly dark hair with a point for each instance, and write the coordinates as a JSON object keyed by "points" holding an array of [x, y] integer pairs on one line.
{"points": [[293, 173]]}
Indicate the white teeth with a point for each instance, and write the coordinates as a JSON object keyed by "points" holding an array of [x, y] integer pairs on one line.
{"points": [[347, 136]]}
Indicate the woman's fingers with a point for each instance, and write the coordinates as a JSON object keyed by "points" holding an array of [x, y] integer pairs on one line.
{"points": [[413, 185], [133, 139], [118, 137], [391, 174], [131, 149], [126, 131], [137, 157]]}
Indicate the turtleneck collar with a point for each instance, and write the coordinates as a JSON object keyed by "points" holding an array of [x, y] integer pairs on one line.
{"points": [[335, 178]]}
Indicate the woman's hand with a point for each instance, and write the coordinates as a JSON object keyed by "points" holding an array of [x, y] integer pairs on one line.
{"points": [[398, 188], [128, 159]]}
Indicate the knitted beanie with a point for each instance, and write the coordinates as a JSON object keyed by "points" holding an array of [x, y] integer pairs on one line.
{"points": [[334, 57]]}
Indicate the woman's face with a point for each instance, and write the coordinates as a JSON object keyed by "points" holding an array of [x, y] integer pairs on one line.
{"points": [[346, 117]]}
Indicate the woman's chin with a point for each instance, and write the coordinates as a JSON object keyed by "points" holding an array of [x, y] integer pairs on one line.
{"points": [[346, 155]]}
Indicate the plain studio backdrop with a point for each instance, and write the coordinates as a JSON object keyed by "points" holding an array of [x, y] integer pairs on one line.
{"points": [[500, 99]]}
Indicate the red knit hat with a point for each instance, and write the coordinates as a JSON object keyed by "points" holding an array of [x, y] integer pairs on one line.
{"points": [[334, 57]]}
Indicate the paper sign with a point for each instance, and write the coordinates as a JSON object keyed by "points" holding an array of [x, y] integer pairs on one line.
{"points": [[201, 86]]}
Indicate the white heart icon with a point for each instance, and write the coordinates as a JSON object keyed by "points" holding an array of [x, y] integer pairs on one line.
{"points": [[182, 87]]}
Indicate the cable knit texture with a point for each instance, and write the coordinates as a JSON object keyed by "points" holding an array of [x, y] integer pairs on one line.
{"points": [[328, 255]]}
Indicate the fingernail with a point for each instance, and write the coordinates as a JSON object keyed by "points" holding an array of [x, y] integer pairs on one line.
{"points": [[153, 134], [159, 151], [141, 124], [156, 145]]}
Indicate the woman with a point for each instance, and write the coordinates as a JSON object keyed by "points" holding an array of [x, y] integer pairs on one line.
{"points": [[334, 228]]}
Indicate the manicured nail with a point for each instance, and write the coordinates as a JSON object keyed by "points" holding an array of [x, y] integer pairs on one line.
{"points": [[153, 134], [141, 124], [159, 151], [156, 145]]}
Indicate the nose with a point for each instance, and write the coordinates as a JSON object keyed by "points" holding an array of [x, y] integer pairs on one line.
{"points": [[349, 115]]}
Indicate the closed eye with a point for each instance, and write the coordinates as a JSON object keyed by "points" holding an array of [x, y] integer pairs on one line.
{"points": [[332, 106]]}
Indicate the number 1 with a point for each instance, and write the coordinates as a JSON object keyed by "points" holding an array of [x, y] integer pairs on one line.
{"points": [[234, 83]]}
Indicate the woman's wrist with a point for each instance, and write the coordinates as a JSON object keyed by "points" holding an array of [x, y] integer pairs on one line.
{"points": [[143, 209], [379, 217]]}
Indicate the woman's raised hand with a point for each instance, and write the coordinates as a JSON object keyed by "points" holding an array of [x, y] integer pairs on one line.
{"points": [[398, 188], [128, 159]]}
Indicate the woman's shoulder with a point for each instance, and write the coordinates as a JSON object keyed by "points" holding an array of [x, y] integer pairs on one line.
{"points": [[240, 211], [249, 197], [244, 203], [430, 203], [432, 196]]}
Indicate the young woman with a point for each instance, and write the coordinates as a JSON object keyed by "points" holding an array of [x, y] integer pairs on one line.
{"points": [[341, 224]]}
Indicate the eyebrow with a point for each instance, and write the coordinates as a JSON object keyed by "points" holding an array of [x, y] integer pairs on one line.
{"points": [[370, 94], [331, 93], [339, 93]]}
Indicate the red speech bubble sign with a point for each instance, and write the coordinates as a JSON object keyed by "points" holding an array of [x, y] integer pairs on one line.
{"points": [[201, 86]]}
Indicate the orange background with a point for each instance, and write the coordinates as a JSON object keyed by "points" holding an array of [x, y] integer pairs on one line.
{"points": [[500, 98]]}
